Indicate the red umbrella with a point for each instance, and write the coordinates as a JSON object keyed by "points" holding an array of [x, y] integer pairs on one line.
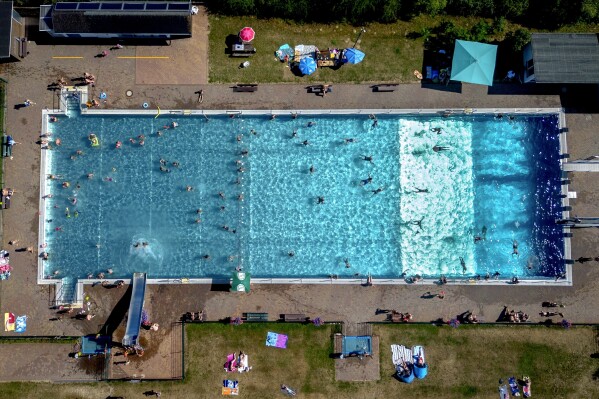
{"points": [[247, 34]]}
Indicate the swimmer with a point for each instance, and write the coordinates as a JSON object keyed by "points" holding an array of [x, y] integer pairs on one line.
{"points": [[347, 264], [136, 245], [76, 213], [67, 212], [165, 170], [198, 221], [254, 132], [291, 254], [310, 124], [222, 208], [378, 190], [366, 181], [306, 142], [141, 137], [108, 178], [142, 142], [90, 175], [320, 200], [294, 134], [273, 117], [59, 228], [58, 141], [239, 138], [417, 222], [421, 190], [109, 271], [79, 152], [174, 124], [207, 257], [294, 115], [312, 169], [163, 162], [188, 188], [226, 228], [367, 158], [437, 130], [159, 133], [515, 248], [77, 186], [73, 200], [238, 181], [66, 184], [53, 118], [439, 148], [375, 123], [144, 244], [350, 140], [90, 276], [244, 153], [199, 211], [53, 177], [100, 275], [241, 170], [73, 157], [463, 263], [132, 140], [240, 197], [221, 195], [47, 196], [477, 239], [176, 164]]}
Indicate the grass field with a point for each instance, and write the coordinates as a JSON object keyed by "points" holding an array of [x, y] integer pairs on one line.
{"points": [[464, 363], [391, 55]]}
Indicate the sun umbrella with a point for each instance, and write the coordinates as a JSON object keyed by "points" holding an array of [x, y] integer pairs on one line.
{"points": [[307, 66], [473, 62], [247, 34], [353, 56]]}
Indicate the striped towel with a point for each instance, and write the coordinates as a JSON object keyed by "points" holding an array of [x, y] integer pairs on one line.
{"points": [[400, 354]]}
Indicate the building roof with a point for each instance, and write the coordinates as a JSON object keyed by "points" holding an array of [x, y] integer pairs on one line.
{"points": [[565, 57], [5, 28], [122, 18]]}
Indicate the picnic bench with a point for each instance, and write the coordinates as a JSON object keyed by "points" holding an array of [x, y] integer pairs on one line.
{"points": [[6, 148], [294, 317], [251, 316], [384, 88], [248, 88], [242, 50]]}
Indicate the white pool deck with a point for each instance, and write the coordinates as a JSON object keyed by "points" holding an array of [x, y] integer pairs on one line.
{"points": [[565, 165]]}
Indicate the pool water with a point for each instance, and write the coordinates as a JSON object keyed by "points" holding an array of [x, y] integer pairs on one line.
{"points": [[413, 210]]}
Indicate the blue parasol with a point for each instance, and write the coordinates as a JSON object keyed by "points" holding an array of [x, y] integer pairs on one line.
{"points": [[307, 66], [353, 56], [473, 62]]}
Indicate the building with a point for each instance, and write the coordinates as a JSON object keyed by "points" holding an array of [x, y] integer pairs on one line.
{"points": [[117, 19], [12, 32], [562, 58]]}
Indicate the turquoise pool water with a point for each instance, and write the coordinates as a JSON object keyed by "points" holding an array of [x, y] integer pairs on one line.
{"points": [[498, 181]]}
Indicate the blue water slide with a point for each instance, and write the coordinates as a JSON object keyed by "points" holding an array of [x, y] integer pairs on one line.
{"points": [[135, 308]]}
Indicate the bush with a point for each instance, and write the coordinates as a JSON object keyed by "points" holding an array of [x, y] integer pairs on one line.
{"points": [[499, 25], [517, 40], [430, 7], [480, 31]]}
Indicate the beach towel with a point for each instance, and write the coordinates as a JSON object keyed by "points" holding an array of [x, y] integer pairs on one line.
{"points": [[231, 363], [514, 386], [21, 324], [243, 363], [526, 387], [503, 393], [230, 388], [9, 321], [400, 354], [420, 371], [276, 340]]}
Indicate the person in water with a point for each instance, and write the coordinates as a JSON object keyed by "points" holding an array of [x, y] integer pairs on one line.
{"points": [[320, 200], [312, 169], [366, 181], [421, 190], [378, 190], [367, 158], [515, 248], [463, 263], [439, 148]]}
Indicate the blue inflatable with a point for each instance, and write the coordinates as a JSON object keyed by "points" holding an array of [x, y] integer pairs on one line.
{"points": [[404, 375], [420, 366]]}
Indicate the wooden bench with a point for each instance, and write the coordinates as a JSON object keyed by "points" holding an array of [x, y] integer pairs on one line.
{"points": [[6, 148], [386, 88], [255, 316], [245, 88], [294, 317]]}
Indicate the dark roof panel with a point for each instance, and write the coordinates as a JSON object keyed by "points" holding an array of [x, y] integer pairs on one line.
{"points": [[122, 23], [5, 26], [565, 57]]}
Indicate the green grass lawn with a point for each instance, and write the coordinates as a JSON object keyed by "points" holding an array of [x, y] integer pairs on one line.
{"points": [[390, 55], [464, 363]]}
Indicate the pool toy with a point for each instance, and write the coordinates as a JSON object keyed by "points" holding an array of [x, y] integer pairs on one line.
{"points": [[94, 140]]}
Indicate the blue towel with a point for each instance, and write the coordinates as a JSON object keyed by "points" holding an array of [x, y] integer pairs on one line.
{"points": [[21, 324]]}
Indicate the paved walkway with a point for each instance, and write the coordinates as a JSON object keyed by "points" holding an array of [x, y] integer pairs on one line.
{"points": [[28, 79]]}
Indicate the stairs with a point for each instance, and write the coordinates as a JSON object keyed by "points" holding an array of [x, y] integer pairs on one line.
{"points": [[73, 104], [67, 291]]}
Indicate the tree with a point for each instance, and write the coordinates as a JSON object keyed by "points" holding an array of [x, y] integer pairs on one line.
{"points": [[518, 39]]}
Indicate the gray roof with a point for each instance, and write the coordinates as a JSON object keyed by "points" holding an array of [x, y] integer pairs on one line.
{"points": [[117, 17], [565, 57], [5, 27]]}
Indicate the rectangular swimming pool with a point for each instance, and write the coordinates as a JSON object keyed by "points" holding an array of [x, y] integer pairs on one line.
{"points": [[314, 196]]}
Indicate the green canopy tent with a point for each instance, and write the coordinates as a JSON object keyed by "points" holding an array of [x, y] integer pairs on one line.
{"points": [[473, 62], [240, 282]]}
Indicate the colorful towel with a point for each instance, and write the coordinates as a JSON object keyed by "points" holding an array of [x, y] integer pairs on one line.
{"points": [[231, 363], [400, 354], [276, 340], [9, 321], [514, 386], [21, 324], [230, 388]]}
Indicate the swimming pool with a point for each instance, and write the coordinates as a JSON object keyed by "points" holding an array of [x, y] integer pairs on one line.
{"points": [[309, 204]]}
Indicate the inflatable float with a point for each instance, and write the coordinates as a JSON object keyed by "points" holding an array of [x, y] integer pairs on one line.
{"points": [[94, 140]]}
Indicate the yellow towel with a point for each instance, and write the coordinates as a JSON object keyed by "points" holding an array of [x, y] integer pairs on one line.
{"points": [[8, 326]]}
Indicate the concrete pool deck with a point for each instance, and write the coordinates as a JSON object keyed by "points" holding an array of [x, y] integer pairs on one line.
{"points": [[166, 303]]}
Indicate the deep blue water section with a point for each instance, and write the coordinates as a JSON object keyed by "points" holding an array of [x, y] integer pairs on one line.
{"points": [[307, 197]]}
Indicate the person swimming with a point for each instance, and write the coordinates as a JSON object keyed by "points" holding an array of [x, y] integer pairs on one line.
{"points": [[347, 264], [320, 200], [367, 158], [378, 190], [306, 142], [366, 181], [437, 130], [463, 263], [312, 169], [421, 190], [515, 248], [439, 148], [349, 140]]}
